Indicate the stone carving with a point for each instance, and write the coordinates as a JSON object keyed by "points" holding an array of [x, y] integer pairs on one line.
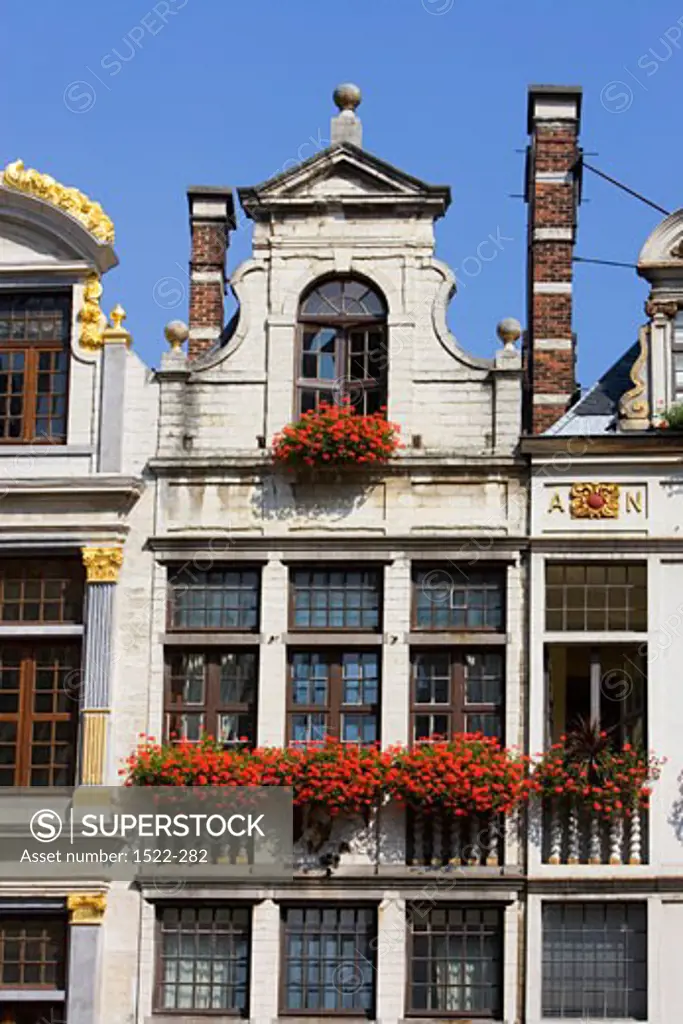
{"points": [[594, 501], [102, 564], [86, 907], [677, 250], [91, 317], [661, 307], [73, 202], [634, 407]]}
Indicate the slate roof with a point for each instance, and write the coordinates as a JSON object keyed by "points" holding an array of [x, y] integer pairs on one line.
{"points": [[596, 412]]}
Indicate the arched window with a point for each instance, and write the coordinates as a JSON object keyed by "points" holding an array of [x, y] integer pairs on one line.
{"points": [[342, 346]]}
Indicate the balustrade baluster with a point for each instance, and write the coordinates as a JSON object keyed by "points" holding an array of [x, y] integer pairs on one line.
{"points": [[555, 834], [574, 847], [594, 851], [616, 838], [635, 837]]}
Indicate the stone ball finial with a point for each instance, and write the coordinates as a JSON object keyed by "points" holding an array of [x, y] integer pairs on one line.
{"points": [[509, 330], [347, 96], [176, 332]]}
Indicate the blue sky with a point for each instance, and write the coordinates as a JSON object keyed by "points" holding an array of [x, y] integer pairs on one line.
{"points": [[134, 100]]}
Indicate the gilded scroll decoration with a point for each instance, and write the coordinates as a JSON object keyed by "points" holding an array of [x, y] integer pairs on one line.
{"points": [[90, 316], [73, 202]]}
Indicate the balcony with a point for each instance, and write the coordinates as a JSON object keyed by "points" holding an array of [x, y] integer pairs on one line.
{"points": [[448, 841], [573, 835]]}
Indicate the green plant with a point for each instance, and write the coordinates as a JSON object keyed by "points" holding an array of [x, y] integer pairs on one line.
{"points": [[672, 418]]}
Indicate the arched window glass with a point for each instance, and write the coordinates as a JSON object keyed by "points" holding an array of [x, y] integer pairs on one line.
{"points": [[342, 346]]}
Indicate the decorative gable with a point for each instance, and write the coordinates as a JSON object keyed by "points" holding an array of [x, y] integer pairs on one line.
{"points": [[343, 172]]}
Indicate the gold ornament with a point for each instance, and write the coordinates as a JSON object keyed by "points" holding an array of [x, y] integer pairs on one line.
{"points": [[91, 317], [594, 501], [115, 331], [102, 564], [73, 202], [86, 907]]}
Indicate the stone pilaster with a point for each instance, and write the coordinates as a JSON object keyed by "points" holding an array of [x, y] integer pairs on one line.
{"points": [[86, 913], [273, 654], [396, 653], [102, 567]]}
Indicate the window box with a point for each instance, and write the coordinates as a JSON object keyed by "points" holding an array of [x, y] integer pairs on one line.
{"points": [[335, 439]]}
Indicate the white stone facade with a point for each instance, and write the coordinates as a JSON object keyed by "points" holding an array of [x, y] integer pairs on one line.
{"points": [[177, 472]]}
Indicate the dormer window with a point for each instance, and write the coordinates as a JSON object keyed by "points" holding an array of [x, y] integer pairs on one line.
{"points": [[342, 346], [34, 346]]}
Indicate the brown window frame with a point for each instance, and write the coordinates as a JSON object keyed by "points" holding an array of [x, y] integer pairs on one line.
{"points": [[174, 575], [211, 707], [54, 929], [344, 385], [49, 582], [25, 717], [591, 590], [31, 351], [368, 957], [334, 708], [443, 578], [214, 907], [496, 1011], [315, 567], [457, 708]]}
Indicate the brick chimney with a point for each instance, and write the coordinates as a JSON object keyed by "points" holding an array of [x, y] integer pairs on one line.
{"points": [[553, 193], [212, 216]]}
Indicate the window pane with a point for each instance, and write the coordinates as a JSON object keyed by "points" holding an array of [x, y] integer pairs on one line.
{"points": [[215, 599], [33, 952], [334, 693], [41, 591], [204, 959], [595, 961], [457, 690], [34, 335], [336, 599], [596, 597], [456, 961], [459, 599], [211, 693], [329, 959]]}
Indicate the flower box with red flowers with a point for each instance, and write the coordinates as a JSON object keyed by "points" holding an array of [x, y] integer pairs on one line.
{"points": [[336, 437], [594, 775], [467, 775]]}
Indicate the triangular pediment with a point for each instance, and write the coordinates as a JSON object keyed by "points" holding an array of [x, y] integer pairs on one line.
{"points": [[342, 172]]}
